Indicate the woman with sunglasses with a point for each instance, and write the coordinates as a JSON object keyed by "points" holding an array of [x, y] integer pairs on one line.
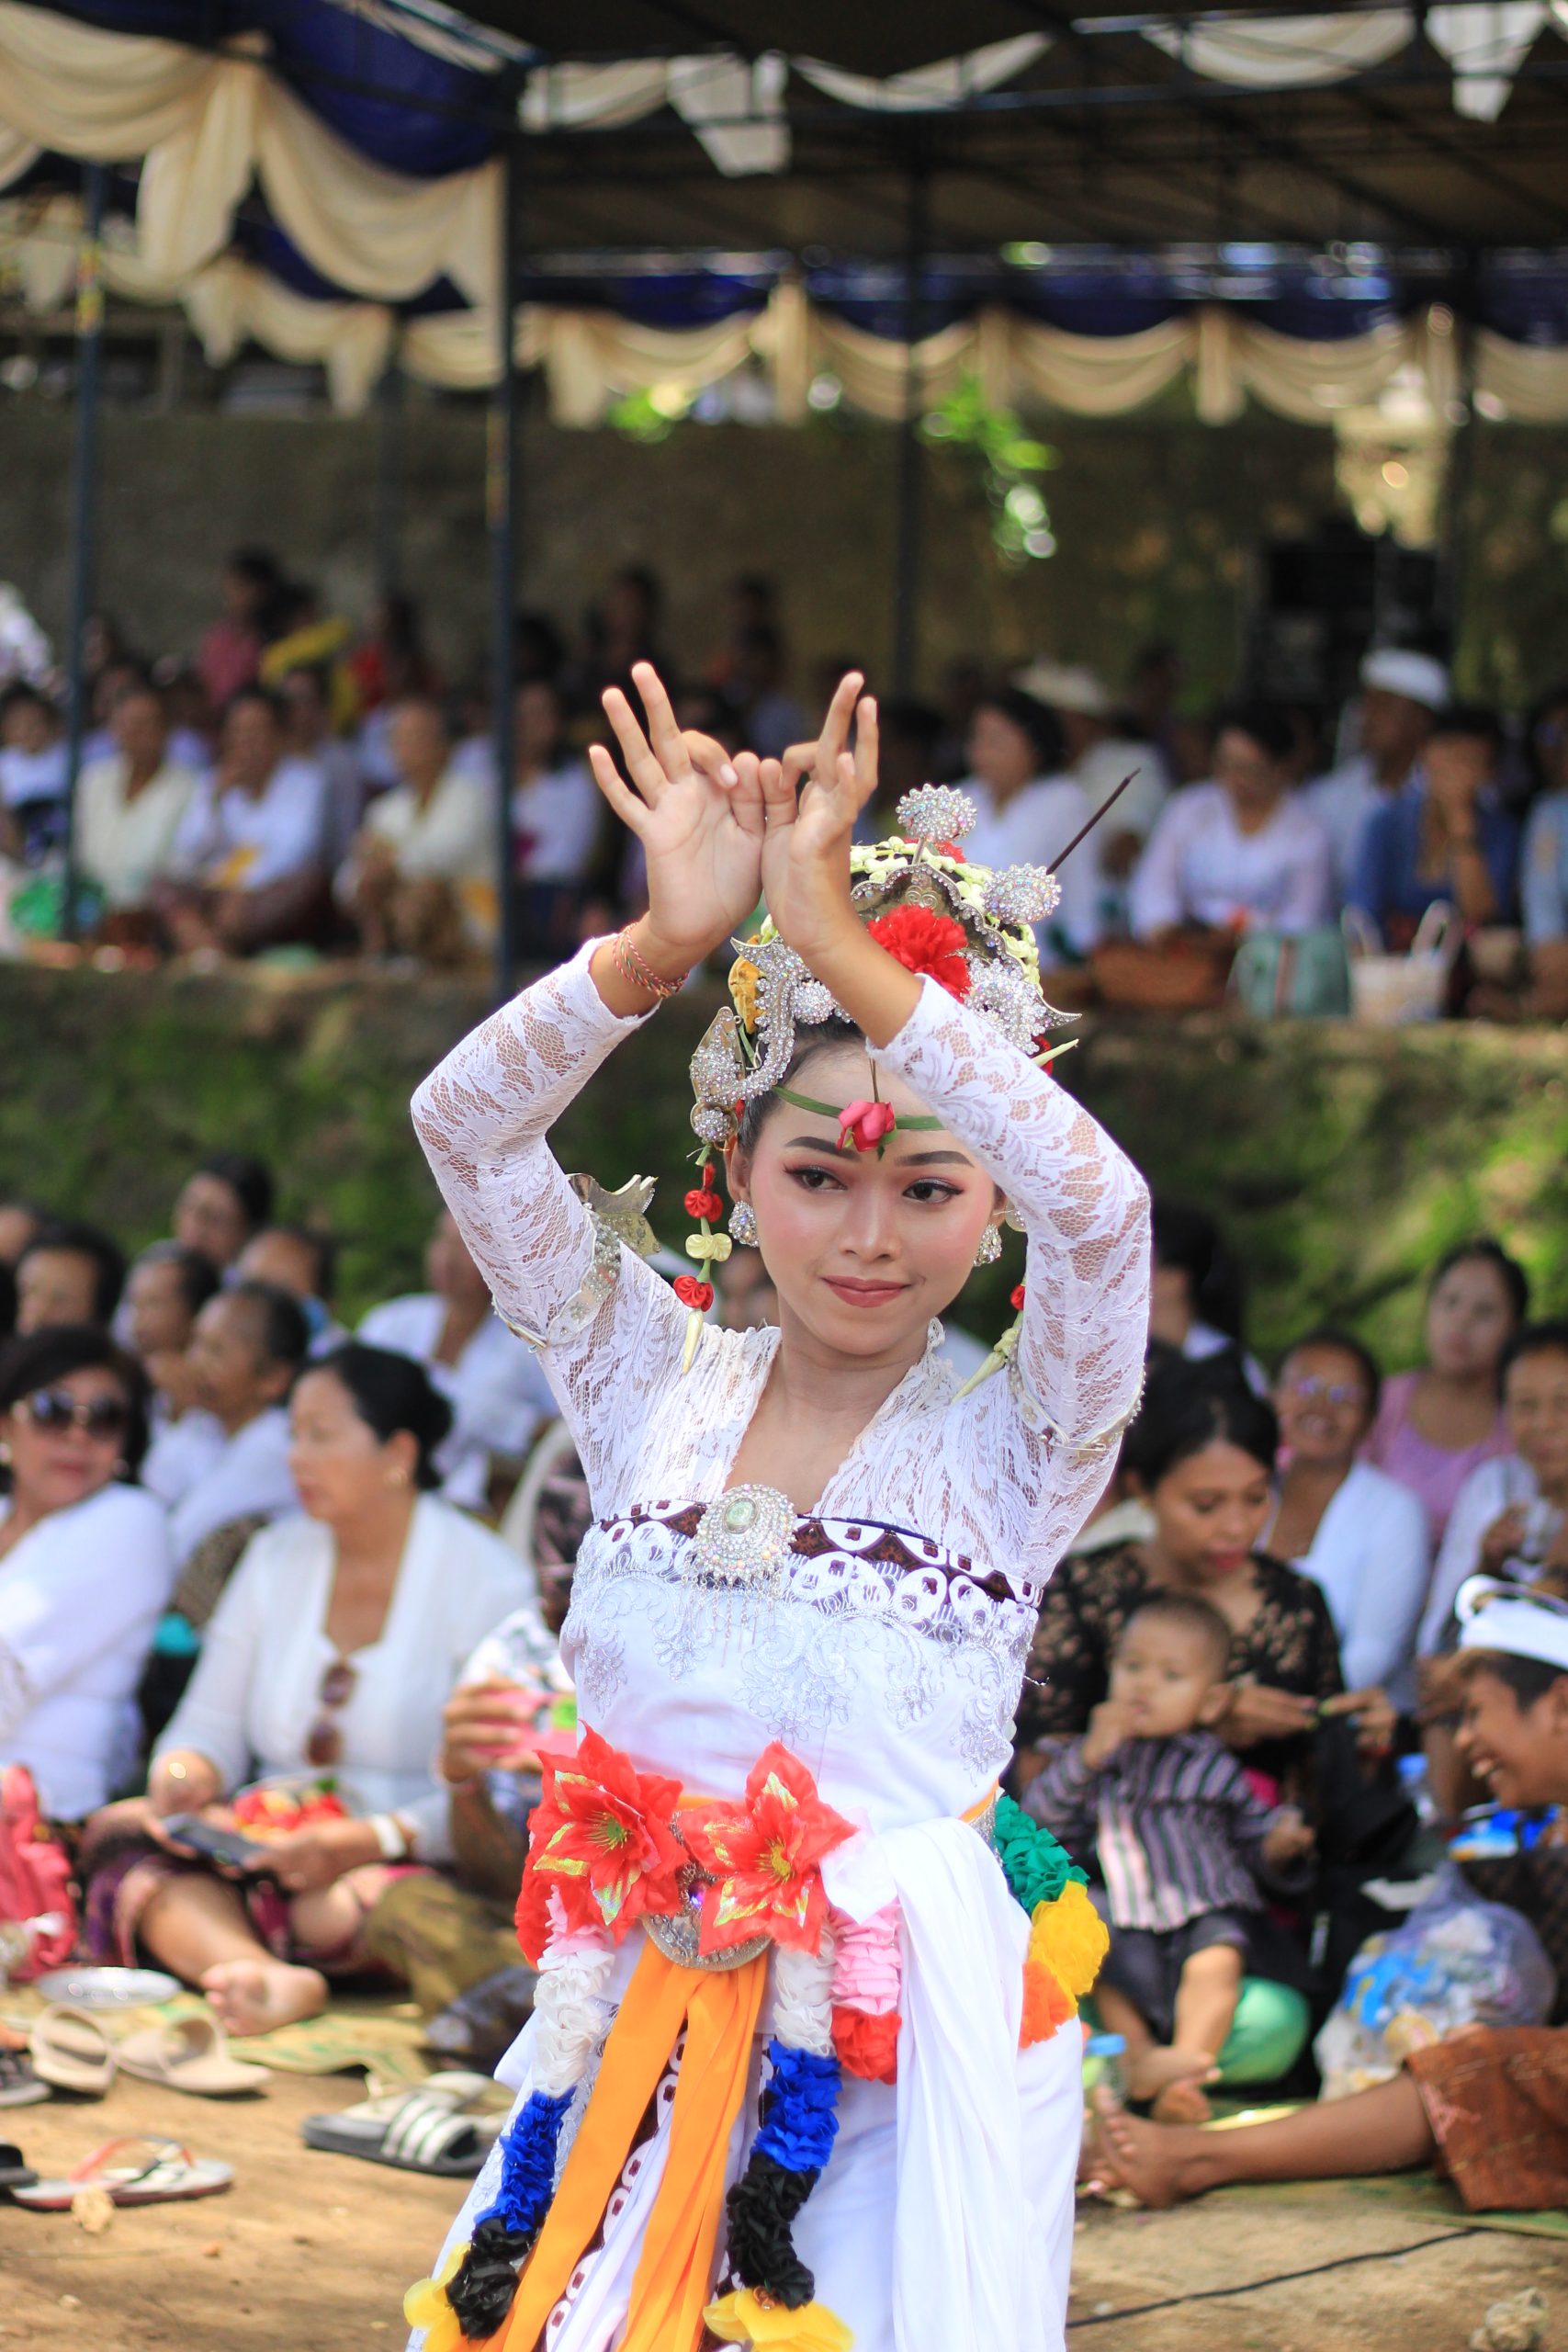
{"points": [[331, 1654], [84, 1564], [1355, 1531]]}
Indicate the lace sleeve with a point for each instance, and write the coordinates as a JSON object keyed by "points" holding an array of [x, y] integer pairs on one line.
{"points": [[558, 1277], [1085, 1209]]}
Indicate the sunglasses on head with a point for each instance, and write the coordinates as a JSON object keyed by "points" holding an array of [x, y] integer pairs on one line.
{"points": [[323, 1742], [52, 1412]]}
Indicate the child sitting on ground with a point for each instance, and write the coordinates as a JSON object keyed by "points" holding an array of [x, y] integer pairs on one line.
{"points": [[1178, 1838], [1489, 2105]]}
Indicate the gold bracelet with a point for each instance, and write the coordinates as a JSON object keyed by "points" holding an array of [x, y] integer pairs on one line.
{"points": [[639, 973]]}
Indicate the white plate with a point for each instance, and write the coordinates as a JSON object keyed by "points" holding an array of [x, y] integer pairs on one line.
{"points": [[107, 1988]]}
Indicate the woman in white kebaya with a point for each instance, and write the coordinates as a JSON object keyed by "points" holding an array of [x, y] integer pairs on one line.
{"points": [[800, 1620]]}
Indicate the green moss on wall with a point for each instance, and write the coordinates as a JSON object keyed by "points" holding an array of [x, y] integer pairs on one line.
{"points": [[1342, 1160]]}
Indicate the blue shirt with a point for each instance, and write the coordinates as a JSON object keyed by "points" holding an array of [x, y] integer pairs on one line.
{"points": [[1544, 880], [1388, 885]]}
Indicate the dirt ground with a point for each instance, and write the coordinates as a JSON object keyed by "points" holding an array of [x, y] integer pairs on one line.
{"points": [[310, 2252]]}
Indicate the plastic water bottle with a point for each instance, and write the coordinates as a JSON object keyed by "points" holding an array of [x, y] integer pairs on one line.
{"points": [[1418, 1789], [1105, 2069]]}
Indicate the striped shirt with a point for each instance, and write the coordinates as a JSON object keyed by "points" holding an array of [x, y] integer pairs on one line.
{"points": [[1175, 1828]]}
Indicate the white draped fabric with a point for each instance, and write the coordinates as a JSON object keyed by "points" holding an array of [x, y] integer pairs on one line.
{"points": [[1289, 52], [946, 84], [204, 126], [591, 359], [1486, 41]]}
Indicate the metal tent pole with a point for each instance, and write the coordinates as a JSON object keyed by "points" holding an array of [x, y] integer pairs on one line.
{"points": [[83, 501], [389, 524], [907, 533], [503, 487]]}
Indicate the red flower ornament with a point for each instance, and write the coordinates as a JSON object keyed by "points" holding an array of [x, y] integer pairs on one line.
{"points": [[863, 1125], [925, 943], [602, 1837], [693, 1292], [765, 1856]]}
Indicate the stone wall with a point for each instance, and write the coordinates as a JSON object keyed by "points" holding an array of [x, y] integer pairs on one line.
{"points": [[1155, 520], [1342, 1160]]}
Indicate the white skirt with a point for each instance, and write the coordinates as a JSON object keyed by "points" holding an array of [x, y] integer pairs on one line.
{"points": [[945, 2214]]}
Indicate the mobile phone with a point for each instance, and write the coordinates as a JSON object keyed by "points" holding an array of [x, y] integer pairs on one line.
{"points": [[230, 1847]]}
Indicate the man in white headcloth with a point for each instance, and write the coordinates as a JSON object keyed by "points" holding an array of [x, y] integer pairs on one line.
{"points": [[1402, 692]]}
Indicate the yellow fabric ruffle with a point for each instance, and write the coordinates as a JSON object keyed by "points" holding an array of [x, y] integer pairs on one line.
{"points": [[746, 2317], [1069, 1937], [426, 2305]]}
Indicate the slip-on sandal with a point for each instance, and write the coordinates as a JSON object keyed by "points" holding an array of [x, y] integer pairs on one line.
{"points": [[189, 2053], [422, 2129], [72, 2052], [13, 2173], [19, 2084], [132, 2171]]}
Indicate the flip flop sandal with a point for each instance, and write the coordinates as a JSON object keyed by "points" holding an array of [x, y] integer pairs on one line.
{"points": [[148, 2172], [191, 2054], [414, 2131], [73, 2052], [19, 2084], [13, 2173]]}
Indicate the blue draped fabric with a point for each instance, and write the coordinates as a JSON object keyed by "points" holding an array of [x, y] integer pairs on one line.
{"points": [[392, 100]]}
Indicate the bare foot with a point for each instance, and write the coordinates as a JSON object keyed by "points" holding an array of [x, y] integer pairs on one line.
{"points": [[1182, 2102], [1152, 2071], [255, 1995], [1155, 2161]]}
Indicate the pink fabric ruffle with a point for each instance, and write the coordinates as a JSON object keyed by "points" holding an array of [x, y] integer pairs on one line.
{"points": [[868, 1973]]}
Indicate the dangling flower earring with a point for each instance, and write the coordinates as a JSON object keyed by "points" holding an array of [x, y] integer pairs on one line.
{"points": [[990, 1247], [743, 1225]]}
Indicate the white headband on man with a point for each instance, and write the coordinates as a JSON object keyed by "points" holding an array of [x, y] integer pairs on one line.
{"points": [[1417, 676], [1511, 1619]]}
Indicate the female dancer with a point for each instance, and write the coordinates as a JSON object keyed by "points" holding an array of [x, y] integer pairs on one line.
{"points": [[799, 1624]]}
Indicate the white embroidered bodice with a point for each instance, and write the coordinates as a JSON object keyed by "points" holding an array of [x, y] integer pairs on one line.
{"points": [[894, 1678]]}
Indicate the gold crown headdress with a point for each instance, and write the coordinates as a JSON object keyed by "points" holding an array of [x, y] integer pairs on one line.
{"points": [[968, 926]]}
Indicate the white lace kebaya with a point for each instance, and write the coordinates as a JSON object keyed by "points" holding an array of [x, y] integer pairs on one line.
{"points": [[885, 1647]]}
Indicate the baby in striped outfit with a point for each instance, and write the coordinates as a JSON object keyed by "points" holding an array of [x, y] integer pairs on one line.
{"points": [[1181, 1840]]}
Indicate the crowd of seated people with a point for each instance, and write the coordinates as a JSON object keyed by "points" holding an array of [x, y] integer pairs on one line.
{"points": [[294, 783], [242, 1547]]}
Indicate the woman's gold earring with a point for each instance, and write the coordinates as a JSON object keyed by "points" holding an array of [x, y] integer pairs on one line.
{"points": [[743, 1225], [990, 1247]]}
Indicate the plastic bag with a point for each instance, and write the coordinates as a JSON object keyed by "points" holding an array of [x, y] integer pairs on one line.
{"points": [[1455, 1962]]}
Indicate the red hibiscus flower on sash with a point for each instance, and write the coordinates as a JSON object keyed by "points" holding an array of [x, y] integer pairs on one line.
{"points": [[764, 1855], [601, 1836]]}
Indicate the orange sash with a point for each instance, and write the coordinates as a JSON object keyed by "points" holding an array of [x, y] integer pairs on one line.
{"points": [[674, 2277]]}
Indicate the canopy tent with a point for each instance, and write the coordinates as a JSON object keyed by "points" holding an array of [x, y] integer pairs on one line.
{"points": [[333, 178], [374, 134]]}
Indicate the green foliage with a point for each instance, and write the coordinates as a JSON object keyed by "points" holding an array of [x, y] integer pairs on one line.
{"points": [[650, 415], [1342, 1160], [1008, 464]]}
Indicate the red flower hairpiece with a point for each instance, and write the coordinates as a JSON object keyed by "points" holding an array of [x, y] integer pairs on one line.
{"points": [[925, 944]]}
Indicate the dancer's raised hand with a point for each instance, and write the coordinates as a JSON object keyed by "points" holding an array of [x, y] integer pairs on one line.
{"points": [[806, 849], [698, 816]]}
